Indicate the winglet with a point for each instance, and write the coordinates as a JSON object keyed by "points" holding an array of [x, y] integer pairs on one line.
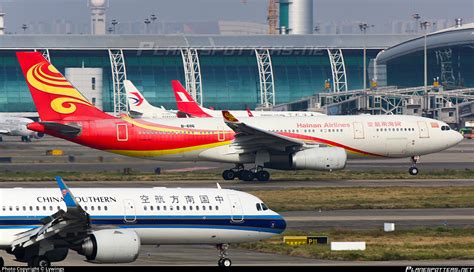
{"points": [[249, 112], [228, 117], [69, 199]]}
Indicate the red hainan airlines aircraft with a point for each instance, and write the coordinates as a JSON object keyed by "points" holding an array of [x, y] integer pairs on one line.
{"points": [[316, 143], [188, 105]]}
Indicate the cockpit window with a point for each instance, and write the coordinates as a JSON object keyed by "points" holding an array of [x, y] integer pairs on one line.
{"points": [[258, 207], [445, 128], [264, 207]]}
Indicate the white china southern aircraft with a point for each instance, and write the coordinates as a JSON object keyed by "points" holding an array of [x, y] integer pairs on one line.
{"points": [[141, 108], [16, 126], [108, 225], [189, 106], [312, 142]]}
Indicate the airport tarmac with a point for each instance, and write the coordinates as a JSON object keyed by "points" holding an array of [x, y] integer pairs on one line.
{"points": [[31, 157], [203, 255], [375, 218], [248, 186]]}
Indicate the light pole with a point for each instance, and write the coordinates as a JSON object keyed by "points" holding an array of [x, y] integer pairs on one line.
{"points": [[424, 25], [153, 19], [147, 22], [417, 17], [363, 27], [114, 22], [24, 27]]}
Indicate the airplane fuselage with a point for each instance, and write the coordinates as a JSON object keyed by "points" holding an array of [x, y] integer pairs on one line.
{"points": [[157, 215], [195, 139]]}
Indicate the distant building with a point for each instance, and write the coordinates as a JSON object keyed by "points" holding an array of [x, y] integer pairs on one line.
{"points": [[241, 28]]}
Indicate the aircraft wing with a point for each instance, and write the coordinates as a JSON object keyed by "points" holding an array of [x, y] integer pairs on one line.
{"points": [[249, 138], [4, 131], [71, 226]]}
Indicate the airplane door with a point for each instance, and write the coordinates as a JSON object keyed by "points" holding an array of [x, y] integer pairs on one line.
{"points": [[129, 211], [358, 130], [122, 132], [237, 214], [220, 134], [423, 128]]}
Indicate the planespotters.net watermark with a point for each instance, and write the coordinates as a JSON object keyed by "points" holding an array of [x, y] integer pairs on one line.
{"points": [[32, 269], [438, 269]]}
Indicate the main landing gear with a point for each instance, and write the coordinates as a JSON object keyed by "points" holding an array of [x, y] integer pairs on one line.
{"points": [[413, 170], [246, 175], [223, 260]]}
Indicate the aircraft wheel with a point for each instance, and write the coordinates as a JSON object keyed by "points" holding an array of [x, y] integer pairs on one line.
{"points": [[246, 175], [413, 171], [263, 175], [224, 262], [228, 175]]}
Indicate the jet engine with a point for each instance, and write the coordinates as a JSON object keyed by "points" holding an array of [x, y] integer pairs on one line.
{"points": [[320, 158], [37, 135], [111, 246]]}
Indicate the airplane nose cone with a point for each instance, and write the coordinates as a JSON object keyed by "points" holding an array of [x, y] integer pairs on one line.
{"points": [[281, 224]]}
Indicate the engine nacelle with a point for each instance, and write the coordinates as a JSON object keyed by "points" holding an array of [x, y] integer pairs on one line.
{"points": [[111, 246], [320, 158], [37, 135]]}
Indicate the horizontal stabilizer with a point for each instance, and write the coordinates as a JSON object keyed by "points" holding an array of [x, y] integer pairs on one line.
{"points": [[66, 130]]}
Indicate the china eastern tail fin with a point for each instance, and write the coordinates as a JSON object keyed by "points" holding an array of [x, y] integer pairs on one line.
{"points": [[54, 96], [137, 101], [185, 102]]}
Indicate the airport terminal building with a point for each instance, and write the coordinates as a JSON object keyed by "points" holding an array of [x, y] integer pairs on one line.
{"points": [[227, 65], [232, 72]]}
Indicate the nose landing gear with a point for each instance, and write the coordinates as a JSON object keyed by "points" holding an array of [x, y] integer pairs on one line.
{"points": [[413, 169], [223, 260]]}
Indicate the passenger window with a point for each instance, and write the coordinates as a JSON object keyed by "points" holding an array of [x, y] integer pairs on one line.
{"points": [[203, 208], [210, 207], [98, 208], [105, 208], [92, 208], [197, 208], [151, 208], [217, 208], [144, 207]]}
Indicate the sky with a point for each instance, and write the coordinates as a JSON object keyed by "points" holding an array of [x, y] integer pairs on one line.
{"points": [[376, 12]]}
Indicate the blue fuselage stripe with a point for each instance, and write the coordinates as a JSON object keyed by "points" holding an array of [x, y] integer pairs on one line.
{"points": [[273, 224]]}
